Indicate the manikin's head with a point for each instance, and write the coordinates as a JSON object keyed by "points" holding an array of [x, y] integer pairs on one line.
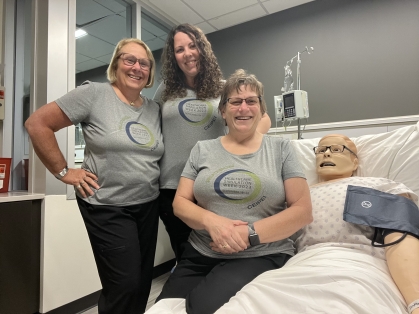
{"points": [[336, 162]]}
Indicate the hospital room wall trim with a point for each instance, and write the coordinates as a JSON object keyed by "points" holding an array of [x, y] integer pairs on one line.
{"points": [[365, 123]]}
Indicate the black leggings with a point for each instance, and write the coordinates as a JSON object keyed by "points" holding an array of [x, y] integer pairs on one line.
{"points": [[178, 231], [207, 283], [124, 241]]}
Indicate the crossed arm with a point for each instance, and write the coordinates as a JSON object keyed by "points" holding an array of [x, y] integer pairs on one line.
{"points": [[231, 236]]}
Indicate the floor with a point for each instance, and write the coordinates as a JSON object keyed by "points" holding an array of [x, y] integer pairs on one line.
{"points": [[156, 287]]}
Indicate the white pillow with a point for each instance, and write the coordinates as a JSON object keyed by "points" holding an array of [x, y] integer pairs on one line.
{"points": [[305, 153], [393, 155]]}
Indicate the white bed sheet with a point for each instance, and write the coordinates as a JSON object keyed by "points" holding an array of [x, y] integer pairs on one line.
{"points": [[168, 306], [322, 280], [318, 280]]}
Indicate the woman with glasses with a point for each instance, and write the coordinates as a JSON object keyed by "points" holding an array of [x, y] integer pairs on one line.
{"points": [[232, 194], [189, 96], [117, 185]]}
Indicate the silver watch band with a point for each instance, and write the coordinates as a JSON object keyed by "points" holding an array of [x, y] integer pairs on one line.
{"points": [[251, 229], [253, 236], [62, 173]]}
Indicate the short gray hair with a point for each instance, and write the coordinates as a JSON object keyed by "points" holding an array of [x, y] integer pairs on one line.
{"points": [[239, 78]]}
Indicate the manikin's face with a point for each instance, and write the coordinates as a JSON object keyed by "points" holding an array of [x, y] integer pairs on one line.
{"points": [[330, 166]]}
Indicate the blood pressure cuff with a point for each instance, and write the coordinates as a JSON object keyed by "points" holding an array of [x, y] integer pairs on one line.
{"points": [[384, 211]]}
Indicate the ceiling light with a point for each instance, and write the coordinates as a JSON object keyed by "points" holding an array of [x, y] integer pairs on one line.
{"points": [[80, 33]]}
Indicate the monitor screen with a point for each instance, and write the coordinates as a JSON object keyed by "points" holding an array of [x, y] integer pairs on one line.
{"points": [[289, 101]]}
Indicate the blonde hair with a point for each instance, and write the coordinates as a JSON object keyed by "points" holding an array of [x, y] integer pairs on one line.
{"points": [[113, 65], [239, 78]]}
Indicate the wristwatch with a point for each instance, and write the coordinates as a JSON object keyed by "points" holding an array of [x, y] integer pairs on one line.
{"points": [[62, 173], [253, 236]]}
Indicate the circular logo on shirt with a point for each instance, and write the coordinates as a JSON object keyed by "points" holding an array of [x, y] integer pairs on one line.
{"points": [[139, 134], [238, 186], [194, 111], [366, 204]]}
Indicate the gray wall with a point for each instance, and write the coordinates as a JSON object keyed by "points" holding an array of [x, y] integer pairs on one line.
{"points": [[365, 64]]}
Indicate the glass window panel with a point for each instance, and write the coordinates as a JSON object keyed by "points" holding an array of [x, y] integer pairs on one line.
{"points": [[23, 51], [104, 23]]}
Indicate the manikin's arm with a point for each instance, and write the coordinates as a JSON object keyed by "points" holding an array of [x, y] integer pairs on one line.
{"points": [[403, 263]]}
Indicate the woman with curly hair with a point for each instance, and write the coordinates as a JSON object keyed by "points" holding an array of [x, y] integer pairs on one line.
{"points": [[189, 97]]}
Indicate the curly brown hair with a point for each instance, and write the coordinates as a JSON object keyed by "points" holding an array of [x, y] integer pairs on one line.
{"points": [[208, 82]]}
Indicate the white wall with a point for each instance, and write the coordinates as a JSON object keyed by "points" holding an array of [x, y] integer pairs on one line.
{"points": [[68, 269], [164, 251]]}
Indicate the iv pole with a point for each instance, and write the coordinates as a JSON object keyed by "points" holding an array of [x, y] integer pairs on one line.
{"points": [[298, 88], [309, 51]]}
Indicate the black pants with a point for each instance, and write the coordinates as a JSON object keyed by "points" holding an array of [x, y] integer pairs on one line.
{"points": [[124, 241], [207, 283], [178, 231]]}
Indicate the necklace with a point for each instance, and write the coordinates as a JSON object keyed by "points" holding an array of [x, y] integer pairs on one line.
{"points": [[132, 103]]}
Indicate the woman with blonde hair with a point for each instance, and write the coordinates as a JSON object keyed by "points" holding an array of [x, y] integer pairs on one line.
{"points": [[117, 184]]}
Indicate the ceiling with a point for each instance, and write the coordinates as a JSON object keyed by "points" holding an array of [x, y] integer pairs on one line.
{"points": [[106, 23]]}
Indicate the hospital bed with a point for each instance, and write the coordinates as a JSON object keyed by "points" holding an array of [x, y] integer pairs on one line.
{"points": [[332, 279]]}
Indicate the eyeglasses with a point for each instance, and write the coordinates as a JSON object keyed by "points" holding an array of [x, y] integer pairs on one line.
{"points": [[250, 101], [130, 60], [334, 149]]}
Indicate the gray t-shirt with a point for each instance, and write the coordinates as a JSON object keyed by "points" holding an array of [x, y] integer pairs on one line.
{"points": [[246, 187], [185, 121], [123, 143]]}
